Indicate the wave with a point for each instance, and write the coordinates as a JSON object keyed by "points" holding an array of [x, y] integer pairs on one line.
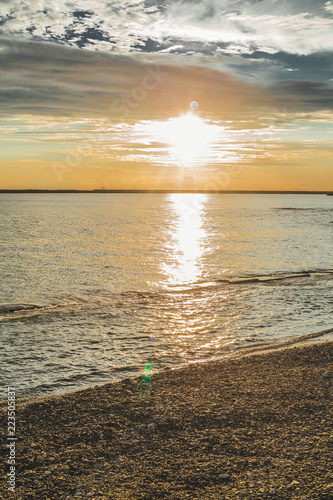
{"points": [[75, 381], [244, 280], [92, 377], [311, 209], [301, 339], [24, 311], [10, 308], [311, 273], [260, 348]]}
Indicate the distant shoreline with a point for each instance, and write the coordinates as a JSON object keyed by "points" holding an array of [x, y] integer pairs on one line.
{"points": [[154, 191]]}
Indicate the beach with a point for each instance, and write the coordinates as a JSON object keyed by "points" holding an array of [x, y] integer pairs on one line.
{"points": [[253, 426], [166, 216]]}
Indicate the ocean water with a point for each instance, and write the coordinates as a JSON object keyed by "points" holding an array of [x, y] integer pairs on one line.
{"points": [[97, 287]]}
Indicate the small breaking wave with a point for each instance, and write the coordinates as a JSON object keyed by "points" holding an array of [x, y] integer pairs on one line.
{"points": [[269, 346], [245, 280], [10, 308], [308, 209], [312, 273], [10, 312]]}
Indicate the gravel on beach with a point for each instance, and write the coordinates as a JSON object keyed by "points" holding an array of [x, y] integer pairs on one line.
{"points": [[247, 427]]}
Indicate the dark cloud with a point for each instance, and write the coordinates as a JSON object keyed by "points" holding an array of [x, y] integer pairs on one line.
{"points": [[85, 39], [150, 45], [43, 78], [82, 14], [307, 87], [5, 19], [320, 61], [178, 46], [160, 5], [312, 95], [259, 64]]}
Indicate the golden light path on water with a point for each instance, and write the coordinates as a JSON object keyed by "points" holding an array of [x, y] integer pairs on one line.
{"points": [[187, 308], [187, 239]]}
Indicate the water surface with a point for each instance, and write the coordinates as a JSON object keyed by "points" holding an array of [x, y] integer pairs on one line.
{"points": [[97, 286]]}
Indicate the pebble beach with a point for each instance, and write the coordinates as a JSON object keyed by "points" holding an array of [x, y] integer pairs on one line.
{"points": [[249, 427]]}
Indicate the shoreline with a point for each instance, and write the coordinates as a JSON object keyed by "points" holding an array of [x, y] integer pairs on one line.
{"points": [[266, 348], [254, 426]]}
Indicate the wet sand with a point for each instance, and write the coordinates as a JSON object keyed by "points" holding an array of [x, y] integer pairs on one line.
{"points": [[253, 427]]}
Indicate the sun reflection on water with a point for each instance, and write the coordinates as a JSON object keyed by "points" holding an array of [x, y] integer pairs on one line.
{"points": [[187, 239], [184, 307]]}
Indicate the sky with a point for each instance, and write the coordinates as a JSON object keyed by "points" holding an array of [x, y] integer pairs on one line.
{"points": [[98, 94]]}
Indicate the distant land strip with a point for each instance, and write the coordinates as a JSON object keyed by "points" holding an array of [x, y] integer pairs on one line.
{"points": [[162, 191]]}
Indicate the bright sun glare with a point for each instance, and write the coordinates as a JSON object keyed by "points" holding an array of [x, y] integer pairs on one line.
{"points": [[189, 138]]}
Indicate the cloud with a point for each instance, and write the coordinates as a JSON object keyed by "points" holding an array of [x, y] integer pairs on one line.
{"points": [[121, 23], [329, 7], [318, 66], [48, 79], [45, 80], [142, 25], [311, 95]]}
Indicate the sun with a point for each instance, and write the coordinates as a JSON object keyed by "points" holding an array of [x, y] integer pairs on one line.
{"points": [[189, 138]]}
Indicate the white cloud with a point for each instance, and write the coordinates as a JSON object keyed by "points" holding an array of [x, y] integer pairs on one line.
{"points": [[169, 49], [329, 7], [123, 24]]}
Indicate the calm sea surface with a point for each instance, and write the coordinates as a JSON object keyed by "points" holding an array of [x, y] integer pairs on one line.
{"points": [[96, 287]]}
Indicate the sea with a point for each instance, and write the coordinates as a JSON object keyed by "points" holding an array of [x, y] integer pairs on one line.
{"points": [[96, 287]]}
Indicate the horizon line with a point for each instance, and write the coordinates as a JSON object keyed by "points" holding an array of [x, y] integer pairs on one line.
{"points": [[162, 191]]}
